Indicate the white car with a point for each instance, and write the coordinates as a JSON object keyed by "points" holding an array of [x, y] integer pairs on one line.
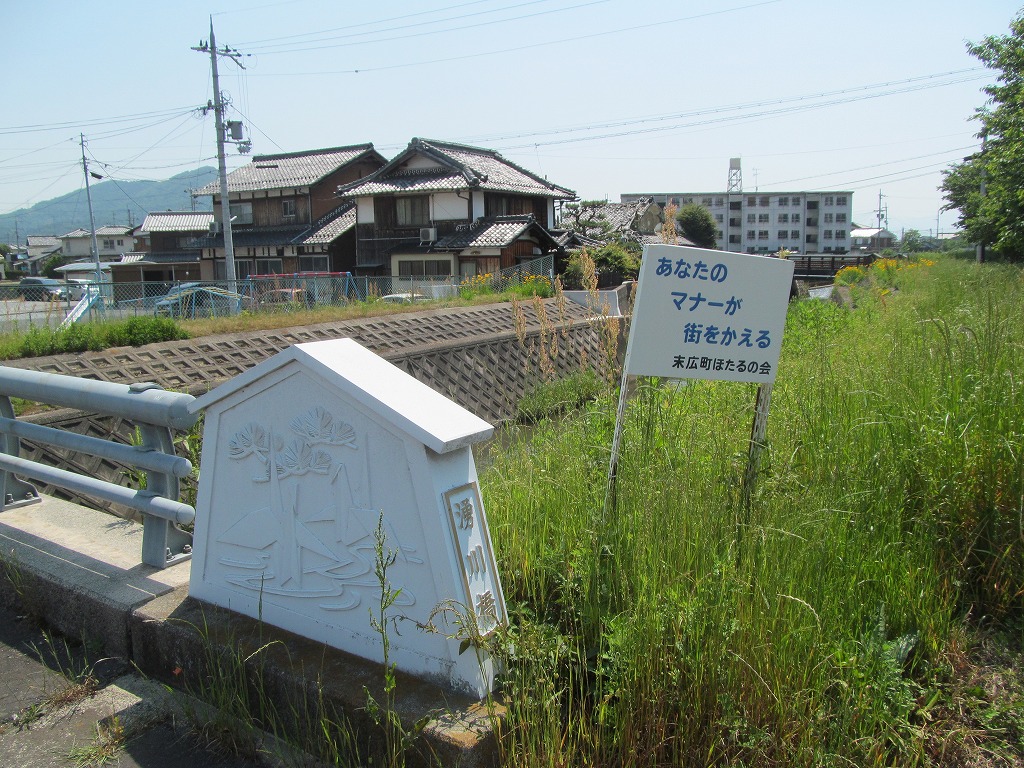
{"points": [[78, 288]]}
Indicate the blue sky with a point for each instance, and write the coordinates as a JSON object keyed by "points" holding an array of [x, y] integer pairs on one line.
{"points": [[602, 96]]}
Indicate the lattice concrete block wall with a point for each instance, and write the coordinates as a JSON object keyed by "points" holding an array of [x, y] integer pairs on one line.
{"points": [[472, 356]]}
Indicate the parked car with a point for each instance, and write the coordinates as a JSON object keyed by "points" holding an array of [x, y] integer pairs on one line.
{"points": [[41, 289], [190, 300], [403, 298], [77, 288]]}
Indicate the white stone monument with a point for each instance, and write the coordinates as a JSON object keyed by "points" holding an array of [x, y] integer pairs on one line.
{"points": [[301, 456]]}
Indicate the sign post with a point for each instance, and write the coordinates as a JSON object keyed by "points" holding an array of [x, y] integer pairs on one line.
{"points": [[702, 314]]}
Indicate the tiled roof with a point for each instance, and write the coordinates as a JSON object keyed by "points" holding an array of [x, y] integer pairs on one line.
{"points": [[251, 238], [110, 230], [42, 241], [466, 168], [293, 169], [419, 181], [495, 232], [330, 226], [177, 221]]}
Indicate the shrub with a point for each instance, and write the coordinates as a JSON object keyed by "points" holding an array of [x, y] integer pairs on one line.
{"points": [[81, 337]]}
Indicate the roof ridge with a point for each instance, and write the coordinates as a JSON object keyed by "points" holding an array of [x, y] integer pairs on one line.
{"points": [[312, 152]]}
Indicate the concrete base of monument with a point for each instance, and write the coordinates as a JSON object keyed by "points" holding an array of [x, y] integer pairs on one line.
{"points": [[78, 571]]}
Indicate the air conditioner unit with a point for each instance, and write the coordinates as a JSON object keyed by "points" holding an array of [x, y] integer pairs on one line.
{"points": [[215, 228], [428, 234]]}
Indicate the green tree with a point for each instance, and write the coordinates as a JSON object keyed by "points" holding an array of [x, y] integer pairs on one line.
{"points": [[913, 242], [50, 266], [698, 225], [985, 187]]}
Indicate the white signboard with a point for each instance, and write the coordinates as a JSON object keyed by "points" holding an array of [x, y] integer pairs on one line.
{"points": [[702, 314]]}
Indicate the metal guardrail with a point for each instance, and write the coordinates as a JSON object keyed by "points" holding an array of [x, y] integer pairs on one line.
{"points": [[153, 410]]}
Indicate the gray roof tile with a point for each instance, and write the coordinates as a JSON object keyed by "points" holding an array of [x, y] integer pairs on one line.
{"points": [[329, 227], [177, 221], [463, 167], [292, 169]]}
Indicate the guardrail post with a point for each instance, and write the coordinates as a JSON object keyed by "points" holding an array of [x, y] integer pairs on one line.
{"points": [[163, 543], [13, 491]]}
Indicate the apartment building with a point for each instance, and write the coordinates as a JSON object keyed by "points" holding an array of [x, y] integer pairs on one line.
{"points": [[755, 222]]}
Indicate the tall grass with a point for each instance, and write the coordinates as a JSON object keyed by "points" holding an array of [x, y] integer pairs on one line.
{"points": [[680, 632]]}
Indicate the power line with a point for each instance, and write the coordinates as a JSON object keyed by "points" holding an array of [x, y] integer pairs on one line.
{"points": [[16, 129], [782, 110], [866, 167], [733, 107], [268, 49], [519, 48], [256, 43]]}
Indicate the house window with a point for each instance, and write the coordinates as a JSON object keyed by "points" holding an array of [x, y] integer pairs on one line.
{"points": [[812, 205], [241, 213], [735, 205], [762, 218], [840, 218], [796, 218], [246, 267], [719, 218], [841, 200], [783, 218], [783, 234], [734, 238], [719, 201], [763, 202], [705, 201], [794, 234], [108, 244], [828, 234], [751, 234], [762, 234], [828, 218], [313, 264], [751, 201], [829, 200], [840, 234], [796, 201], [413, 211], [812, 238], [120, 243], [288, 209], [751, 218], [783, 201], [424, 267]]}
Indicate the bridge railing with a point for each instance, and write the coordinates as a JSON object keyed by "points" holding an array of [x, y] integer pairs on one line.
{"points": [[153, 410]]}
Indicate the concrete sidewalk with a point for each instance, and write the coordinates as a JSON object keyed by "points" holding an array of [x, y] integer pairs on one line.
{"points": [[75, 571]]}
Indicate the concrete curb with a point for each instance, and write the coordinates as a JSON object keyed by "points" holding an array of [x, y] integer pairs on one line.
{"points": [[78, 570]]}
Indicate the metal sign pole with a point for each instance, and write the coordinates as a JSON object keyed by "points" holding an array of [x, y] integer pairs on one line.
{"points": [[757, 434], [613, 463]]}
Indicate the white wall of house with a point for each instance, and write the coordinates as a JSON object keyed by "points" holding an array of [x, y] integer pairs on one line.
{"points": [[478, 205], [364, 210], [419, 163], [448, 206]]}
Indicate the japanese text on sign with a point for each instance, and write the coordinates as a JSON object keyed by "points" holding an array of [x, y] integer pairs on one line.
{"points": [[700, 313]]}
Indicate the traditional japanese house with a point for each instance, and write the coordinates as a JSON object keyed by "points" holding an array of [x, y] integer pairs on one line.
{"points": [[284, 215], [440, 209]]}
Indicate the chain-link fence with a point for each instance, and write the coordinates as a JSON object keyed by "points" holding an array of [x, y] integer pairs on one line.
{"points": [[268, 293]]}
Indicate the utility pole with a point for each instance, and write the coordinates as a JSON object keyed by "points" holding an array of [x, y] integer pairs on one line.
{"points": [[984, 178], [92, 222], [218, 111]]}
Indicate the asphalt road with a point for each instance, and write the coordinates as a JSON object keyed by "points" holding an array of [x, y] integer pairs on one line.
{"points": [[49, 720]]}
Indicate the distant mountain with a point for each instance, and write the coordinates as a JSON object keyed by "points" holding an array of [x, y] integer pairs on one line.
{"points": [[113, 202]]}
